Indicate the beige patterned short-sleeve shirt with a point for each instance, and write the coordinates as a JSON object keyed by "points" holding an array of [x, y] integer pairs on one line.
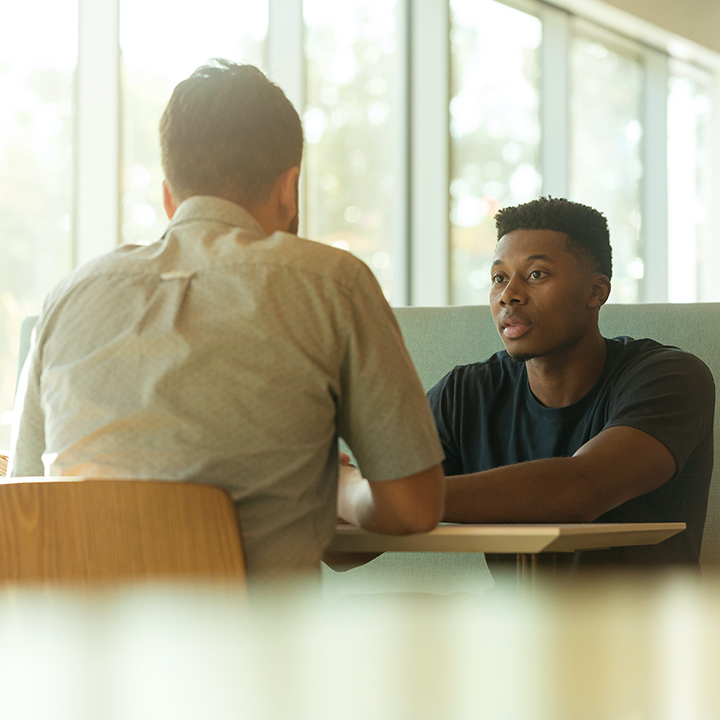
{"points": [[224, 356]]}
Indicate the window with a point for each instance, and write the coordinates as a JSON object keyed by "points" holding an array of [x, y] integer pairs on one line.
{"points": [[350, 119], [692, 264], [156, 55], [37, 62], [606, 168], [494, 130], [422, 118]]}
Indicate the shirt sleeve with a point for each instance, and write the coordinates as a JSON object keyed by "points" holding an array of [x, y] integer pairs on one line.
{"points": [[670, 395], [443, 404], [383, 414], [28, 432]]}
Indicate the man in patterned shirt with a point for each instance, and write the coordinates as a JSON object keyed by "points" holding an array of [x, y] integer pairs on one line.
{"points": [[233, 352]]}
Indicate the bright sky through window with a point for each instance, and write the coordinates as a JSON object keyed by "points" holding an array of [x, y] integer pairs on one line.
{"points": [[353, 128], [156, 56], [37, 65], [172, 38], [494, 129]]}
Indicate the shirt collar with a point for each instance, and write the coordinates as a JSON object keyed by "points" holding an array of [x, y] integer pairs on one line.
{"points": [[207, 207]]}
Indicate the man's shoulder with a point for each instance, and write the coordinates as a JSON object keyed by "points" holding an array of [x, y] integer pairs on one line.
{"points": [[645, 356], [116, 261], [318, 258], [647, 350]]}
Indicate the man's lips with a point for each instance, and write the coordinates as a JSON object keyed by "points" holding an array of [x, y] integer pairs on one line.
{"points": [[513, 328]]}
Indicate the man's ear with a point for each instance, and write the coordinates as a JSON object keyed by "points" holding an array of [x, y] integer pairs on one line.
{"points": [[287, 195], [168, 201], [600, 291]]}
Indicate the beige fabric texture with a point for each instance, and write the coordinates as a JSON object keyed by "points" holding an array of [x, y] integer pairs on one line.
{"points": [[223, 356]]}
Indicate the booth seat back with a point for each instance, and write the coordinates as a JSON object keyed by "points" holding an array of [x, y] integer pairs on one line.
{"points": [[438, 339]]}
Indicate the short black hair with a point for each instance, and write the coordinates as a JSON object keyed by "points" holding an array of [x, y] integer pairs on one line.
{"points": [[228, 131], [585, 227]]}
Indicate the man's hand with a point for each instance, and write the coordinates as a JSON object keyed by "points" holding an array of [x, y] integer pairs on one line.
{"points": [[341, 561], [349, 478], [344, 471]]}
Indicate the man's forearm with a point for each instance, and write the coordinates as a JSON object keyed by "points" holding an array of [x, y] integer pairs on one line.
{"points": [[359, 506], [549, 490], [395, 507], [618, 464]]}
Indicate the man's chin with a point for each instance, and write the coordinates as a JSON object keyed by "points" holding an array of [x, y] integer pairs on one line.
{"points": [[520, 358]]}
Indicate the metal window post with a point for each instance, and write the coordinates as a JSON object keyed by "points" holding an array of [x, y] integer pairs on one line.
{"points": [[97, 133], [430, 154], [285, 61], [654, 197], [555, 101]]}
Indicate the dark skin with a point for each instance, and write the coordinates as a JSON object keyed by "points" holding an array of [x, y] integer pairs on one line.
{"points": [[545, 298]]}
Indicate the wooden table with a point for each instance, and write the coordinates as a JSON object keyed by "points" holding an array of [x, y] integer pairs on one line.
{"points": [[525, 541]]}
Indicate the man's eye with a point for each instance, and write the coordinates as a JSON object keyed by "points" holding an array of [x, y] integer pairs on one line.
{"points": [[498, 279], [536, 274]]}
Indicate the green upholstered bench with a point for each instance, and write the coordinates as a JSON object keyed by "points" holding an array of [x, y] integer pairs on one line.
{"points": [[441, 338]]}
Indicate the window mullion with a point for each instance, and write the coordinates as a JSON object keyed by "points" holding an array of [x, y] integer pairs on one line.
{"points": [[554, 101], [430, 153], [97, 139], [713, 249], [400, 248], [285, 52], [655, 177]]}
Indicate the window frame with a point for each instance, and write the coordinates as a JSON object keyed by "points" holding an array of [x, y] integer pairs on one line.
{"points": [[421, 250]]}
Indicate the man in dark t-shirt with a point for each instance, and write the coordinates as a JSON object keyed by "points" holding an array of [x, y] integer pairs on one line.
{"points": [[565, 425]]}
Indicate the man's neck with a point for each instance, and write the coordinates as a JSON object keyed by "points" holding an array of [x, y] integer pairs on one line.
{"points": [[563, 378]]}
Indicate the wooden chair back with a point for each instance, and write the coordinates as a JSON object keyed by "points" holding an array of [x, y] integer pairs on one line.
{"points": [[91, 532]]}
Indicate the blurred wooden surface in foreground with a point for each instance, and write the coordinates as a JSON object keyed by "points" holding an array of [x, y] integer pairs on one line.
{"points": [[629, 647]]}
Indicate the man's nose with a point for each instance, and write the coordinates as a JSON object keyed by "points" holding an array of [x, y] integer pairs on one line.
{"points": [[512, 293]]}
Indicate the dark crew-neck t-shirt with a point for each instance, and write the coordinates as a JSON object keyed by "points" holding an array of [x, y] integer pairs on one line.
{"points": [[487, 417]]}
